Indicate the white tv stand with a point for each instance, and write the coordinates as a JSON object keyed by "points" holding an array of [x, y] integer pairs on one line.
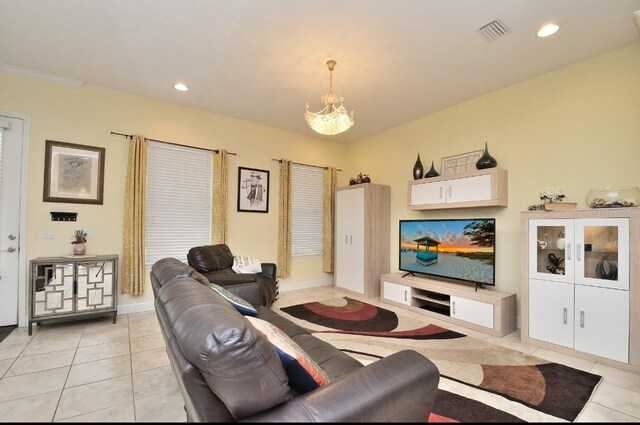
{"points": [[485, 310]]}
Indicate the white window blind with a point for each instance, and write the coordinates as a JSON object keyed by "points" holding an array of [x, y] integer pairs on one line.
{"points": [[178, 213], [306, 210]]}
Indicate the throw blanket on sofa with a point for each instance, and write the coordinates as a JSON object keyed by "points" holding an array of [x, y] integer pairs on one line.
{"points": [[242, 264]]}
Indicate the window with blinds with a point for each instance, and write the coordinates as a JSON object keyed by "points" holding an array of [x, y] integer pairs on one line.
{"points": [[178, 212], [306, 210]]}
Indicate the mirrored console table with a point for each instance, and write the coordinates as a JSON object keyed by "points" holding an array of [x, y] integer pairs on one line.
{"points": [[72, 288]]}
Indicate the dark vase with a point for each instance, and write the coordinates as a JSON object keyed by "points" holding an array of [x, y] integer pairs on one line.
{"points": [[418, 170], [486, 160], [432, 172]]}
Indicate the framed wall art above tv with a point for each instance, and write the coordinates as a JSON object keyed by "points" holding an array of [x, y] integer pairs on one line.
{"points": [[73, 173]]}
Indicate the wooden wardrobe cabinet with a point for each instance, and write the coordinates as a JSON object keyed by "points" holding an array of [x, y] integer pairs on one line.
{"points": [[361, 237]]}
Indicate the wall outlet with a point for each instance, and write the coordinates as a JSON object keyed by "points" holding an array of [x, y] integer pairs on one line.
{"points": [[48, 234]]}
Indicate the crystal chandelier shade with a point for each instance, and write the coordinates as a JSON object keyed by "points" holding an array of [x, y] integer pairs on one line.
{"points": [[333, 119]]}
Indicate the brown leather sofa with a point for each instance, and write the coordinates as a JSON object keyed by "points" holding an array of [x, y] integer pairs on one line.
{"points": [[228, 371], [214, 262]]}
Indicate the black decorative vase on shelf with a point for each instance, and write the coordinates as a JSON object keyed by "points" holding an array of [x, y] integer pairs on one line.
{"points": [[432, 172], [418, 169], [486, 160]]}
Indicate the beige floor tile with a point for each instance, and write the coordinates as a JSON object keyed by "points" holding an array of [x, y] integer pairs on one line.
{"points": [[18, 335], [138, 331], [564, 359], [100, 370], [145, 343], [105, 336], [595, 413], [617, 398], [621, 378], [121, 413], [11, 350], [106, 323], [92, 353], [150, 359], [165, 407], [60, 328], [15, 387], [50, 343], [38, 362], [143, 318], [513, 342], [154, 381], [38, 408], [5, 365], [93, 397]]}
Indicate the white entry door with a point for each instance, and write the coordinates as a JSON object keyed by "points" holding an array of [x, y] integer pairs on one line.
{"points": [[11, 140]]}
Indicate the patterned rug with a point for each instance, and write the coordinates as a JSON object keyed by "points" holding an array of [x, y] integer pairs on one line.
{"points": [[480, 381]]}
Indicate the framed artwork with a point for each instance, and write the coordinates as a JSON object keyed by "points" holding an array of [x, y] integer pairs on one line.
{"points": [[253, 190], [461, 163], [73, 173]]}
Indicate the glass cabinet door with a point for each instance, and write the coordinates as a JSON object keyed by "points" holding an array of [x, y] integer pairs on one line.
{"points": [[551, 250], [95, 284], [602, 252], [52, 289]]}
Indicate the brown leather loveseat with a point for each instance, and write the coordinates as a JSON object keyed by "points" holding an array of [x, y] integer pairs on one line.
{"points": [[228, 371]]}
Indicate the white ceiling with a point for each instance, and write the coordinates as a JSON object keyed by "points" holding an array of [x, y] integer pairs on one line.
{"points": [[262, 60]]}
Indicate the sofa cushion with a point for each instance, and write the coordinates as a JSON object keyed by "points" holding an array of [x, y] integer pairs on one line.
{"points": [[167, 269], [237, 362], [209, 258], [304, 374], [238, 303]]}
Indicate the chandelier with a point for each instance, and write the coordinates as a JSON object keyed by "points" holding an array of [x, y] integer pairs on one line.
{"points": [[333, 119]]}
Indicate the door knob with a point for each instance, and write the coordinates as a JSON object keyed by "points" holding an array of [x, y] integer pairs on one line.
{"points": [[12, 237], [11, 249]]}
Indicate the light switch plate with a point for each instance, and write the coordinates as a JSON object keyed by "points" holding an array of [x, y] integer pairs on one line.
{"points": [[48, 234]]}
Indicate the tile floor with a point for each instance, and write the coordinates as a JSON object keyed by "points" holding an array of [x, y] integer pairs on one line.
{"points": [[95, 371]]}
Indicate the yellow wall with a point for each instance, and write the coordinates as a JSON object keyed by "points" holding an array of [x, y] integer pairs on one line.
{"points": [[87, 115], [575, 128]]}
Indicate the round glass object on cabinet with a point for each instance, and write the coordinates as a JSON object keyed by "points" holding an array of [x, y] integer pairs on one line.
{"points": [[613, 197]]}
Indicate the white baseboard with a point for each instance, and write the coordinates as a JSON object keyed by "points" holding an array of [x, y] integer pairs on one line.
{"points": [[136, 307], [305, 285]]}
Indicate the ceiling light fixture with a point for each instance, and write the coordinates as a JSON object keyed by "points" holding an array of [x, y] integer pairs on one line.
{"points": [[332, 119], [548, 30], [181, 87]]}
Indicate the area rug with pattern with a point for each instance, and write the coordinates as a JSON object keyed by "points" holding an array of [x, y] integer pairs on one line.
{"points": [[479, 381]]}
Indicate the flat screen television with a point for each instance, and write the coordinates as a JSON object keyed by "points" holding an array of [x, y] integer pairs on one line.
{"points": [[460, 249]]}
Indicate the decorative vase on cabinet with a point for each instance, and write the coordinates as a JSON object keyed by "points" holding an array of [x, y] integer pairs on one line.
{"points": [[418, 169], [486, 160]]}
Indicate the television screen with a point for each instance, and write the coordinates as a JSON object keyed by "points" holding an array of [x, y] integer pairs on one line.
{"points": [[462, 249]]}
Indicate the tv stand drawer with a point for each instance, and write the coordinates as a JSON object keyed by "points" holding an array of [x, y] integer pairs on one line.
{"points": [[472, 311]]}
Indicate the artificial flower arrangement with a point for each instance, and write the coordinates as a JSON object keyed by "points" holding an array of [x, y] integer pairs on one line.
{"points": [[551, 194]]}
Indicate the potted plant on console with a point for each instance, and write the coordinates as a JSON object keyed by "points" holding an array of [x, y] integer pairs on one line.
{"points": [[80, 238]]}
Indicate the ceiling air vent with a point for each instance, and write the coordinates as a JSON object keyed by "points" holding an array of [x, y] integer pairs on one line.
{"points": [[493, 30]]}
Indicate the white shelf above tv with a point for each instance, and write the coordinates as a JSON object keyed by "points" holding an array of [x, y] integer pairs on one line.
{"points": [[482, 188]]}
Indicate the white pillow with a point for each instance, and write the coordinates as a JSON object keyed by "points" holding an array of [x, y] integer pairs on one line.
{"points": [[242, 264]]}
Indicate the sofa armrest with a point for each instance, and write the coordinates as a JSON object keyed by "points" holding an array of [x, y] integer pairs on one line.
{"points": [[224, 279], [268, 270], [397, 388], [250, 292]]}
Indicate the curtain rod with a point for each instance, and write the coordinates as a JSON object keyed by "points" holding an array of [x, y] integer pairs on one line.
{"points": [[308, 165], [129, 136]]}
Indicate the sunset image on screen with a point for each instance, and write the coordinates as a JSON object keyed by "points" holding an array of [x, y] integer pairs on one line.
{"points": [[460, 249]]}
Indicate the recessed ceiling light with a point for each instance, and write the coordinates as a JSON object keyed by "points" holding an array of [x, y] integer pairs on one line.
{"points": [[181, 87], [548, 30]]}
